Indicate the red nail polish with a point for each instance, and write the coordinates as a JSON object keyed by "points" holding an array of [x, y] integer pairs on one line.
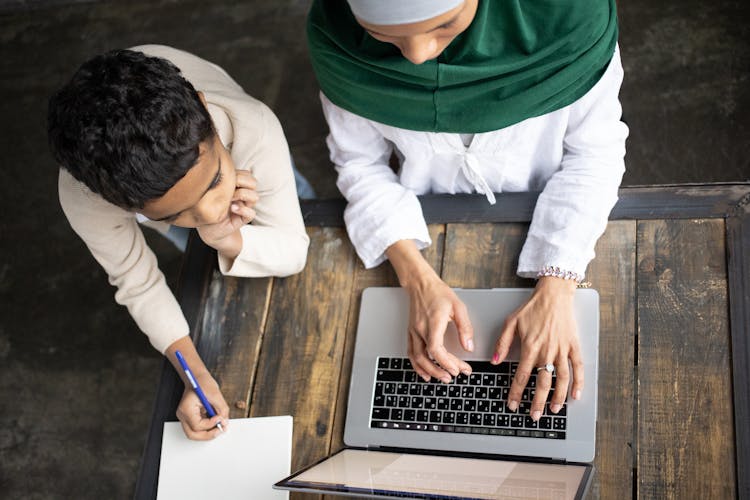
{"points": [[495, 358]]}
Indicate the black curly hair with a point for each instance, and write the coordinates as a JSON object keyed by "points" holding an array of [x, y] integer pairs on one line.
{"points": [[128, 126]]}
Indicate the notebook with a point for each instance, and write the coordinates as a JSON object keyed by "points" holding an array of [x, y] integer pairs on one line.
{"points": [[241, 464], [410, 438]]}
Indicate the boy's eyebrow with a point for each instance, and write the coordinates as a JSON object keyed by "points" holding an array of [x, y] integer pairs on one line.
{"points": [[210, 185], [428, 31]]}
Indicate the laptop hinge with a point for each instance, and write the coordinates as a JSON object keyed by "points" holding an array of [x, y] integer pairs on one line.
{"points": [[463, 454]]}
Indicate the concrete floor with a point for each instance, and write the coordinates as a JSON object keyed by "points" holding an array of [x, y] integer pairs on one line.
{"points": [[77, 379]]}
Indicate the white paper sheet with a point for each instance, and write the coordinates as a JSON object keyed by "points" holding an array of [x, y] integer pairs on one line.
{"points": [[243, 463]]}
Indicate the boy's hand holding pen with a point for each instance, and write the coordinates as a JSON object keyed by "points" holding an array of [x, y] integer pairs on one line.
{"points": [[202, 411]]}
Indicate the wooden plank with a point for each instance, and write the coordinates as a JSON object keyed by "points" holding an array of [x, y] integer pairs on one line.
{"points": [[612, 274], [652, 202], [383, 275], [484, 255], [231, 333], [685, 445], [303, 345], [738, 268]]}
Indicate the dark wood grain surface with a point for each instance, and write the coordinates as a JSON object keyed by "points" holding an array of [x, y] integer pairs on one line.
{"points": [[685, 419], [671, 422]]}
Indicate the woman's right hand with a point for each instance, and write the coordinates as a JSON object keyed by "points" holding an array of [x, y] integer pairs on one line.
{"points": [[432, 304]]}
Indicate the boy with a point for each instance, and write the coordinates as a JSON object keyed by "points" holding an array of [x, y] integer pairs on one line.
{"points": [[160, 136]]}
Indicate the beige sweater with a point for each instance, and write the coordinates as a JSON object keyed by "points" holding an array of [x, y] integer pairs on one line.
{"points": [[274, 244]]}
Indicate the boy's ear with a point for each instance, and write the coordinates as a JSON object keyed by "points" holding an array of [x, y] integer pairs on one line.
{"points": [[202, 98]]}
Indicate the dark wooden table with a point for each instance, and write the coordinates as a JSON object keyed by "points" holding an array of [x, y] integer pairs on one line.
{"points": [[673, 274]]}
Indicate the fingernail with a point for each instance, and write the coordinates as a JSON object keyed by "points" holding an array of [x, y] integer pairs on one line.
{"points": [[512, 405], [235, 207], [446, 380], [470, 344], [495, 358], [555, 408], [577, 394], [426, 378], [535, 415]]}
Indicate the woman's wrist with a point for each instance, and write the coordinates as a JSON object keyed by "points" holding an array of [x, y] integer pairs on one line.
{"points": [[412, 269], [556, 285]]}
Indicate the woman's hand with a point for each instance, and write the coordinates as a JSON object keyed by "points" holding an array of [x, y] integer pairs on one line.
{"points": [[432, 304], [546, 327], [192, 415], [224, 236]]}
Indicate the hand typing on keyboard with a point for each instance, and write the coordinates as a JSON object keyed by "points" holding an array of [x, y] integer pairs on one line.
{"points": [[547, 330], [432, 304]]}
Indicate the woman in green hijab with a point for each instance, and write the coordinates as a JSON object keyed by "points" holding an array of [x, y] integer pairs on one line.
{"points": [[477, 96]]}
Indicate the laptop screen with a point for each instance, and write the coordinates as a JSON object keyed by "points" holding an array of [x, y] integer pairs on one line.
{"points": [[397, 475]]}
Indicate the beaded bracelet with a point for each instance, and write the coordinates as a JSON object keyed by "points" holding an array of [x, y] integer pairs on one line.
{"points": [[556, 272]]}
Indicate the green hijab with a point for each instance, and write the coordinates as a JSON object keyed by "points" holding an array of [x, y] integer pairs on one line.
{"points": [[518, 59]]}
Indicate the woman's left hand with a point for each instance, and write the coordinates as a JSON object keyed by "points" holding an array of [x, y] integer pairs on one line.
{"points": [[546, 327]]}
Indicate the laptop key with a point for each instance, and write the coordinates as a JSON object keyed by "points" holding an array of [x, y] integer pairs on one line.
{"points": [[436, 417], [497, 407], [475, 419], [390, 376], [380, 413], [545, 423], [383, 363], [423, 415]]}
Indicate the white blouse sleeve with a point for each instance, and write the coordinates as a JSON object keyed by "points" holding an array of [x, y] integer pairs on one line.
{"points": [[380, 211], [572, 210]]}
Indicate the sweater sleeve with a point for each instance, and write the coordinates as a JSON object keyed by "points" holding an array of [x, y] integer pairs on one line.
{"points": [[116, 242], [275, 243], [572, 210], [380, 211]]}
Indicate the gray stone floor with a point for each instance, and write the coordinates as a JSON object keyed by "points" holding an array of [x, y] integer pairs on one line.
{"points": [[77, 379]]}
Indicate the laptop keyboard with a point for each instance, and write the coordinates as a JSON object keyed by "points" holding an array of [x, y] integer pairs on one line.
{"points": [[471, 405]]}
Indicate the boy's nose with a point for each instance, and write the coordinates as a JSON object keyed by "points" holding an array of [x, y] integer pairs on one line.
{"points": [[212, 213]]}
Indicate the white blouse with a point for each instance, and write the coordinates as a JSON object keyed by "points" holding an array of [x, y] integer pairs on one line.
{"points": [[574, 155]]}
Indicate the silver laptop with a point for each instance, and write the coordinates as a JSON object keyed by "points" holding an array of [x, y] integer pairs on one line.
{"points": [[411, 438]]}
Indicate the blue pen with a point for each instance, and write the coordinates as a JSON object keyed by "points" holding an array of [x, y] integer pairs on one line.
{"points": [[204, 401]]}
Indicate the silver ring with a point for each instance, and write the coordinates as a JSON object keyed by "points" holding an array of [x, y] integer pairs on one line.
{"points": [[549, 367]]}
